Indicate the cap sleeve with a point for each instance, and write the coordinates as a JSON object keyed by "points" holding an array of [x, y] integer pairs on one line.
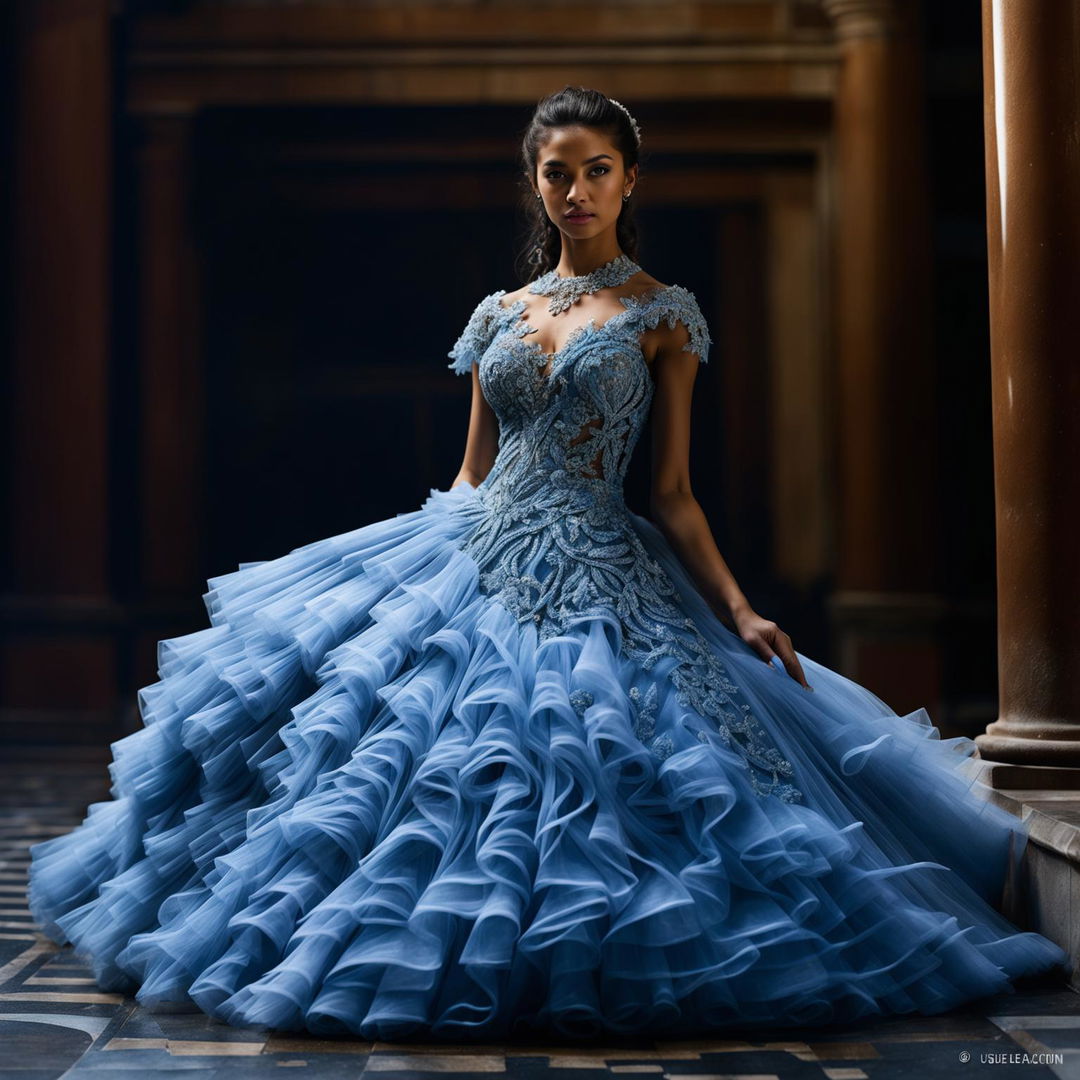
{"points": [[477, 335], [678, 305]]}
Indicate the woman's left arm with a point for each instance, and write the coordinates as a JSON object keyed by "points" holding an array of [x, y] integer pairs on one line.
{"points": [[678, 514]]}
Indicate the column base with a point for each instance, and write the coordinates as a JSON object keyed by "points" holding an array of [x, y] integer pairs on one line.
{"points": [[1005, 776], [1047, 743]]}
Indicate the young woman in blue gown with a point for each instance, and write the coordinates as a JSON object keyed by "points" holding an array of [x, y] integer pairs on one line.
{"points": [[521, 760]]}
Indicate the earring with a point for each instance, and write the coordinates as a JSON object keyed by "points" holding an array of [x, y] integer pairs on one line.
{"points": [[627, 195], [538, 194]]}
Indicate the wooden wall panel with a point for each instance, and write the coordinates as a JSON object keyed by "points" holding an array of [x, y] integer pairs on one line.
{"points": [[59, 408]]}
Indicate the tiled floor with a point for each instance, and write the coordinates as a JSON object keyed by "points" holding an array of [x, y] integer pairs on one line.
{"points": [[55, 1022]]}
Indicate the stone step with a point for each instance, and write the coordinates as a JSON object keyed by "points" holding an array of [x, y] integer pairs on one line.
{"points": [[1047, 896]]}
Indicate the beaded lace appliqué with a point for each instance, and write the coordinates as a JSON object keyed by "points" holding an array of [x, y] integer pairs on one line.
{"points": [[565, 291], [477, 333], [552, 535]]}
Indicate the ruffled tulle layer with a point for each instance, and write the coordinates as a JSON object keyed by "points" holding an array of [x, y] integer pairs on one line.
{"points": [[363, 801]]}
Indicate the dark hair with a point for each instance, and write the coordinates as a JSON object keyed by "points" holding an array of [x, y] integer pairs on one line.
{"points": [[571, 106]]}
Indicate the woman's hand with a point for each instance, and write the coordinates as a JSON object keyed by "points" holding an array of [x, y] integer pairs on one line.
{"points": [[768, 640]]}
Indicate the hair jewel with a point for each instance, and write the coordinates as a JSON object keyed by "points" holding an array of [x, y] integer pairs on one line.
{"points": [[633, 122]]}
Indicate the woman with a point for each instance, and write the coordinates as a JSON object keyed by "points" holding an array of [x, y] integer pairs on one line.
{"points": [[512, 761]]}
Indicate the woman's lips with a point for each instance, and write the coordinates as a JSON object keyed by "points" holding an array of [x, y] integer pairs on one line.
{"points": [[579, 217]]}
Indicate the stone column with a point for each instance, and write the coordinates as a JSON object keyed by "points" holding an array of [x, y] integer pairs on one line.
{"points": [[1031, 66], [885, 610]]}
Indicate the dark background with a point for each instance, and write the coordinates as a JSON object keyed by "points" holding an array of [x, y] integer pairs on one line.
{"points": [[326, 325]]}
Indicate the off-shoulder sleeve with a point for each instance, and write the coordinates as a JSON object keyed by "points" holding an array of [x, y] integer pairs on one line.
{"points": [[477, 334], [678, 305]]}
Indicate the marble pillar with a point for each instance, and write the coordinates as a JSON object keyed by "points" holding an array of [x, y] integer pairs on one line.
{"points": [[1031, 66]]}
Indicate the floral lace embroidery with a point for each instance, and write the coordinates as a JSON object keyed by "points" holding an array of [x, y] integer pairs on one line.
{"points": [[477, 334], [564, 292], [673, 305], [551, 532]]}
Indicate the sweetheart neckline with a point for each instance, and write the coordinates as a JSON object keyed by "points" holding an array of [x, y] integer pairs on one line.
{"points": [[520, 327], [557, 359]]}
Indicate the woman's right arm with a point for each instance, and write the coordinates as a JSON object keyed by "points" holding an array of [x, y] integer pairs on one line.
{"points": [[482, 441]]}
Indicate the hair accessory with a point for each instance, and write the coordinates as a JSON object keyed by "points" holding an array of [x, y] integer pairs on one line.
{"points": [[633, 122], [565, 291]]}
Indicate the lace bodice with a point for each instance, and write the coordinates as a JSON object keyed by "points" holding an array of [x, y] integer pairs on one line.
{"points": [[552, 535]]}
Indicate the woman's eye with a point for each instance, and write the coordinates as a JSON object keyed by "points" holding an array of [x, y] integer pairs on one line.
{"points": [[556, 175]]}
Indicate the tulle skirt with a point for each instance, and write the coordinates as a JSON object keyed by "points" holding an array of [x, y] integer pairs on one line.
{"points": [[362, 801]]}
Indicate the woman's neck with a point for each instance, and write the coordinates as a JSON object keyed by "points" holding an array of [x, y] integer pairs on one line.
{"points": [[584, 256]]}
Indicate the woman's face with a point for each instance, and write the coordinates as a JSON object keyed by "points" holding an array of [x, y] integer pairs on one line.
{"points": [[580, 177]]}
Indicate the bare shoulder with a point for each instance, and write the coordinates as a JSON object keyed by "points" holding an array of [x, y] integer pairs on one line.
{"points": [[642, 283]]}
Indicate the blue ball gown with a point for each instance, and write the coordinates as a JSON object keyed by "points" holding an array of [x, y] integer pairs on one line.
{"points": [[494, 766]]}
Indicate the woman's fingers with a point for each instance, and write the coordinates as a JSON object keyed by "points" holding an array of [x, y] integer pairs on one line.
{"points": [[768, 640], [791, 661], [762, 640]]}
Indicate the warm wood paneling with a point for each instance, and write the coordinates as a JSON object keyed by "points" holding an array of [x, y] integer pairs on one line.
{"points": [[59, 407], [478, 52]]}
